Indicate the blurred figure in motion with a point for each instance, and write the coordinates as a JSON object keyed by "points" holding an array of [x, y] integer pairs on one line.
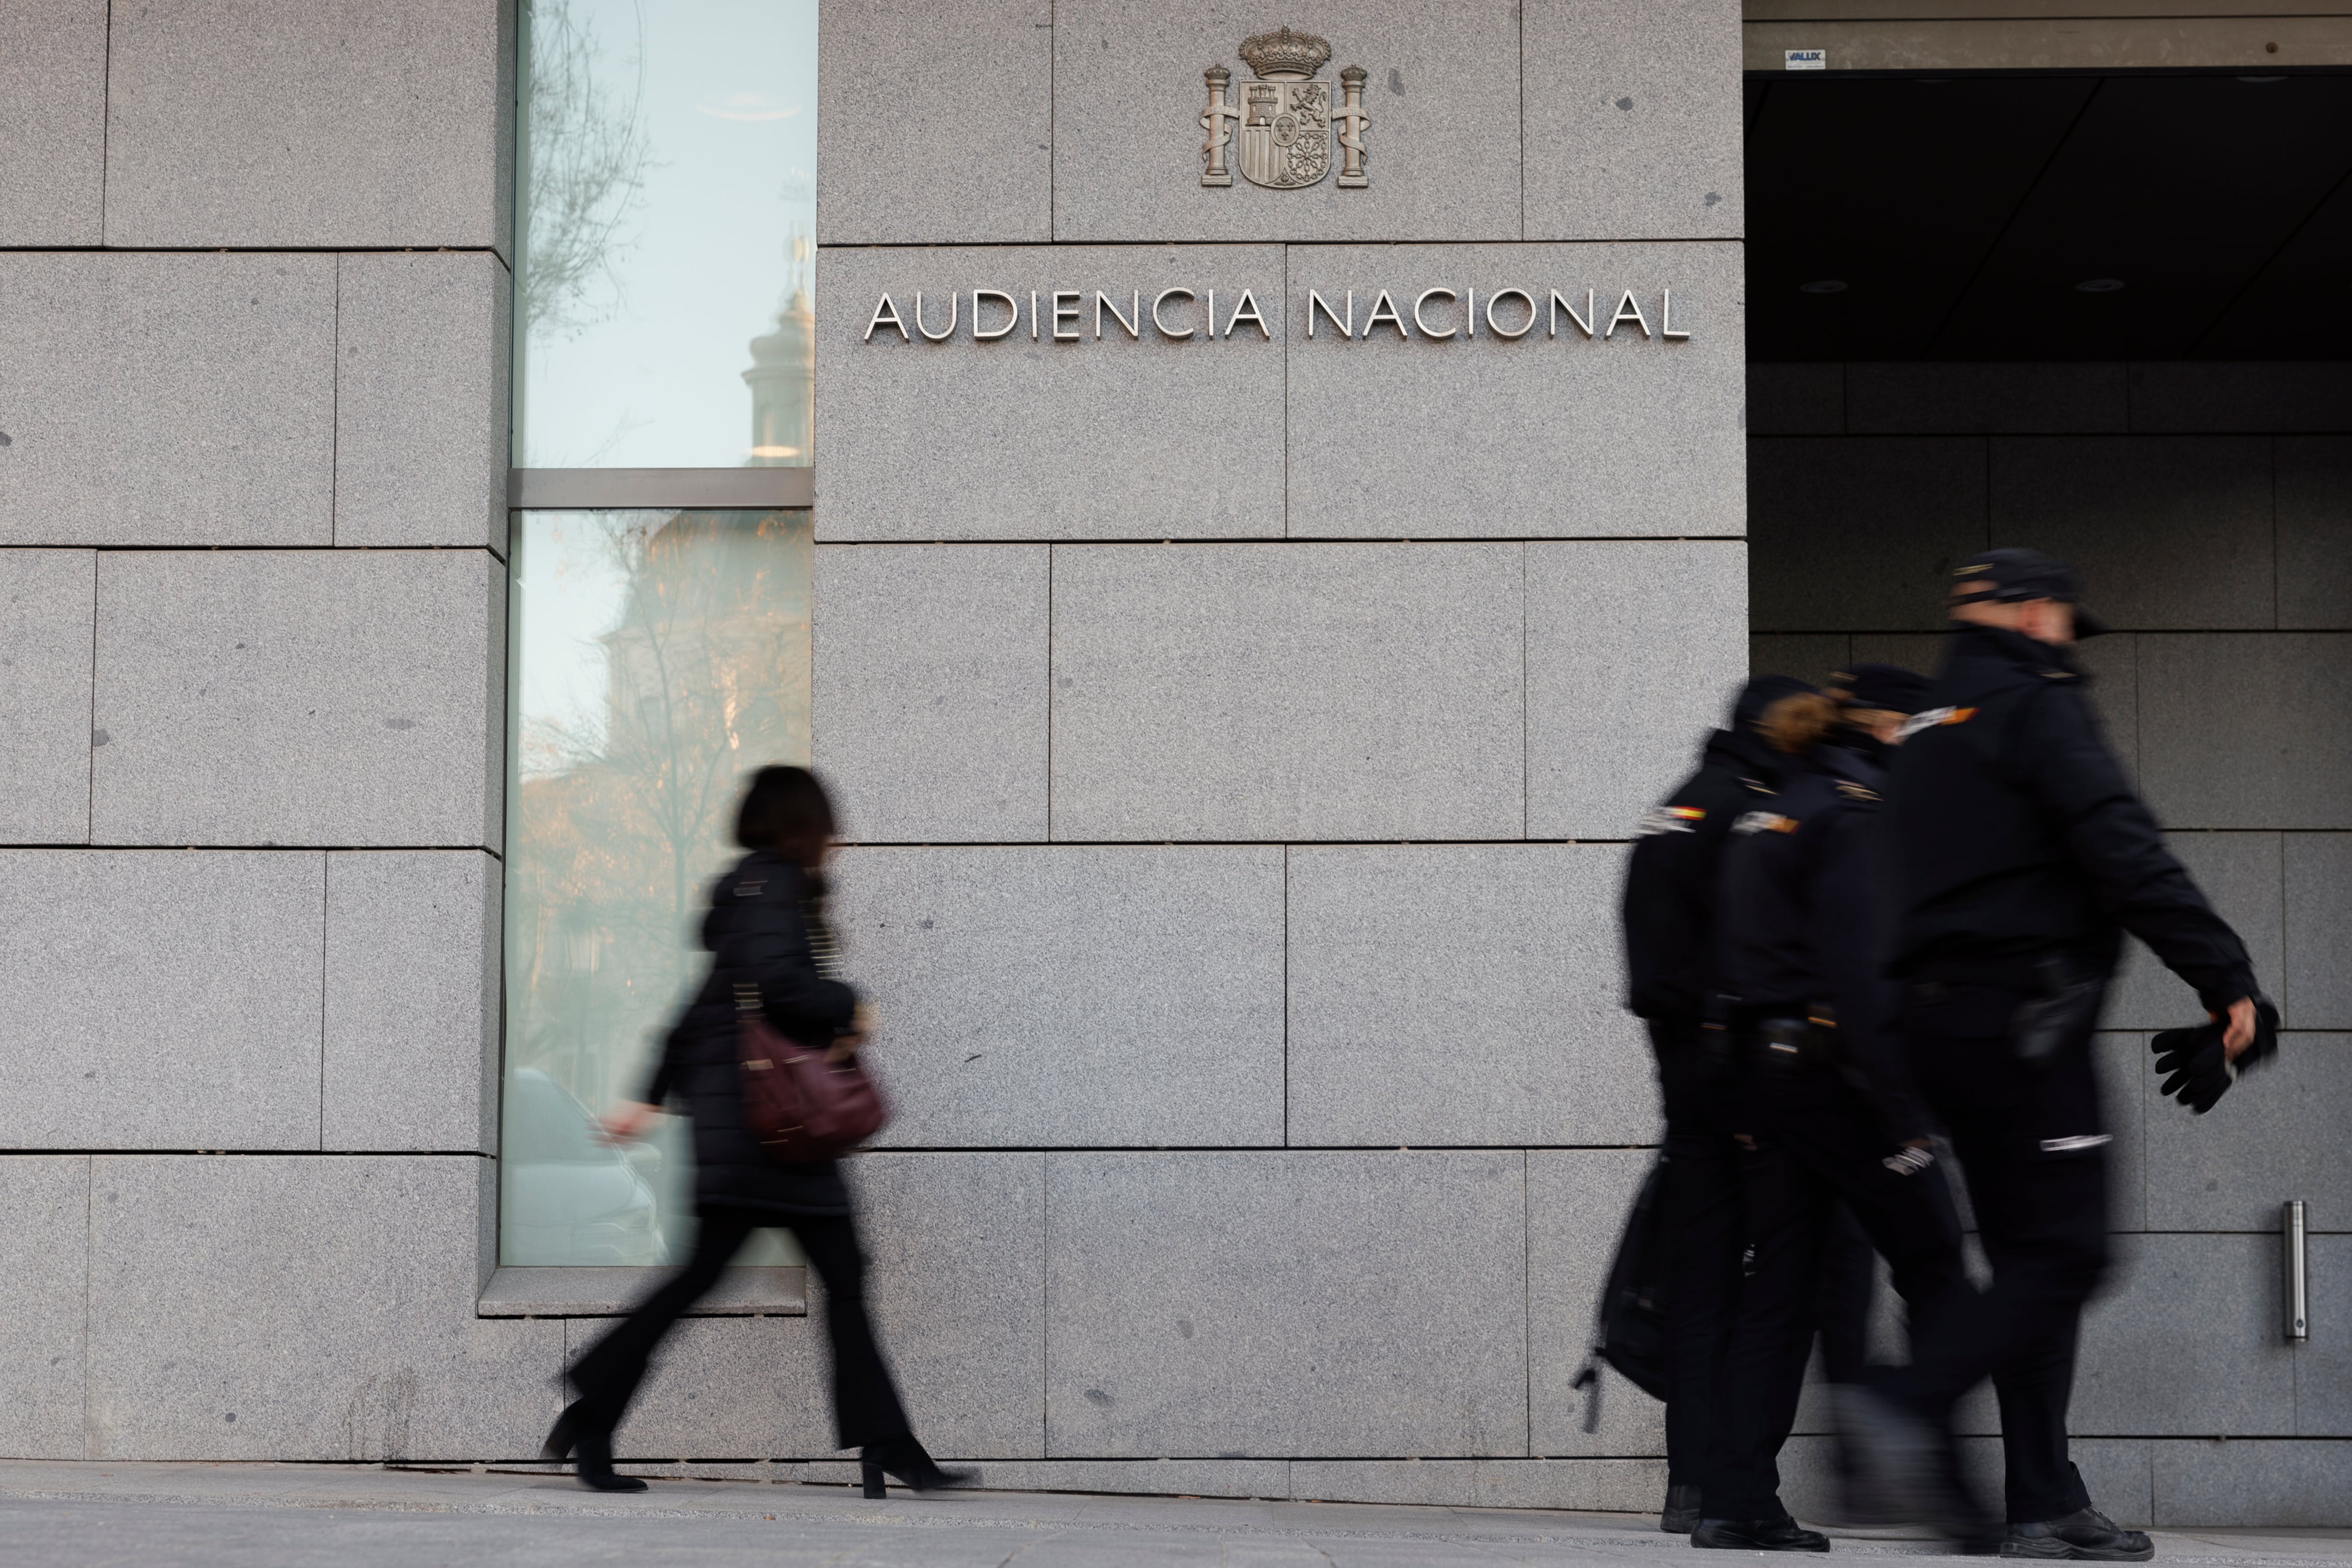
{"points": [[766, 933]]}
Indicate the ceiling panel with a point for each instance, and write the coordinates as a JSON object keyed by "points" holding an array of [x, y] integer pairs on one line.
{"points": [[2300, 306]]}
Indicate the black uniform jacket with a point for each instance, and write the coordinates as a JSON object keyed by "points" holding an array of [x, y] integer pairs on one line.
{"points": [[2017, 834], [757, 931], [1670, 883], [1804, 923]]}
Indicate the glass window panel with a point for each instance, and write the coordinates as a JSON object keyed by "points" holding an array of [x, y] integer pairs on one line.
{"points": [[664, 240], [656, 658]]}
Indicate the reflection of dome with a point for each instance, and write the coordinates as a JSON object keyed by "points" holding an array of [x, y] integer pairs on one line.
{"points": [[782, 378]]}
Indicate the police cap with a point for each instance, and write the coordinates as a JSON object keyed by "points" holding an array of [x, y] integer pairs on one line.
{"points": [[1760, 693], [2009, 576], [1883, 688]]}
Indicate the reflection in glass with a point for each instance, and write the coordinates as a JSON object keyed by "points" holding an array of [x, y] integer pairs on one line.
{"points": [[657, 657], [664, 271]]}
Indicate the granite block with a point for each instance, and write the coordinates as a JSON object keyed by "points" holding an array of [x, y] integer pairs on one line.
{"points": [[2241, 877], [1803, 399], [2255, 396], [52, 122], [2219, 1482], [2323, 1364], [47, 601], [421, 400], [2317, 986], [726, 1388], [159, 999], [1143, 1478], [1637, 641], [2246, 731], [309, 123], [957, 1244], [412, 1001], [353, 698], [1051, 996], [1276, 1302], [2314, 532], [929, 690], [1610, 1486], [44, 1248], [1361, 691], [1623, 435], [2240, 1379], [2171, 532], [1632, 119], [1458, 994], [901, 81], [2274, 1136], [1104, 437], [1577, 1203], [1986, 399], [325, 1301], [1808, 655], [1847, 535], [2128, 1099], [1441, 145], [217, 371], [2111, 663]]}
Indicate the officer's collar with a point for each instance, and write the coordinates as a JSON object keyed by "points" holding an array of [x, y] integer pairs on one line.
{"points": [[1744, 751]]}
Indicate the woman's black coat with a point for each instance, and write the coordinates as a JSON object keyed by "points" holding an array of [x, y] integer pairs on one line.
{"points": [[758, 933]]}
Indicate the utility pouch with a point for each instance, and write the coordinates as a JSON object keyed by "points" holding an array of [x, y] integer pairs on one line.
{"points": [[1795, 1047], [2065, 1004]]}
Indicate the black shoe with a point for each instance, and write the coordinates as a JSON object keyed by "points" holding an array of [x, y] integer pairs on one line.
{"points": [[594, 1470], [903, 1458], [563, 1435], [1680, 1516], [1782, 1535], [2085, 1536]]}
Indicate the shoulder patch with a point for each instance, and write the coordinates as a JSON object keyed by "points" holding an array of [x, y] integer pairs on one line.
{"points": [[1933, 717], [1765, 822], [1669, 820], [1854, 791]]}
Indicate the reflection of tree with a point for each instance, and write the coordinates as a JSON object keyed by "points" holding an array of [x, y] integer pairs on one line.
{"points": [[585, 153]]}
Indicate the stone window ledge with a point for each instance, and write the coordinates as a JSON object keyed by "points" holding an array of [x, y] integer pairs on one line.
{"points": [[611, 1292]]}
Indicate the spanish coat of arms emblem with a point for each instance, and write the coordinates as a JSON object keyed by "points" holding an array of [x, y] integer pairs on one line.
{"points": [[1285, 117]]}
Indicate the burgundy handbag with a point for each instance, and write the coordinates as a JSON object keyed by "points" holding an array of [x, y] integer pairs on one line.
{"points": [[800, 1107]]}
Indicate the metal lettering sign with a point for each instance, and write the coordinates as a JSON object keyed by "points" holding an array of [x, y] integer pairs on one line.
{"points": [[1285, 117]]}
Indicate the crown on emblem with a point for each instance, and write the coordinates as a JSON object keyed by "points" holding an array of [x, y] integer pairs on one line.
{"points": [[1285, 54]]}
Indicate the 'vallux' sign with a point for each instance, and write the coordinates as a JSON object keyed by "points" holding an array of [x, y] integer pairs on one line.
{"points": [[1060, 314]]}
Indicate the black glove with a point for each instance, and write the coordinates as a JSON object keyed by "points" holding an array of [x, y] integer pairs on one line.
{"points": [[2191, 1061], [2266, 1046]]}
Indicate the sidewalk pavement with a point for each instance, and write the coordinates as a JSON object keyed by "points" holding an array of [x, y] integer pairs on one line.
{"points": [[71, 1513]]}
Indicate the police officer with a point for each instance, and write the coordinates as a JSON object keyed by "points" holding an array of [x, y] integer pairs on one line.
{"points": [[1669, 924], [2023, 855], [1829, 1105]]}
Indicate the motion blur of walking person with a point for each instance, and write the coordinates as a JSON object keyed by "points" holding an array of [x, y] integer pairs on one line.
{"points": [[1669, 914], [768, 938], [1828, 1104], [2023, 855]]}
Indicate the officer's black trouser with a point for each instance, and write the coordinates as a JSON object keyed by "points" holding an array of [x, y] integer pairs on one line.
{"points": [[1818, 1142], [2029, 1140], [1706, 1221], [1849, 1270]]}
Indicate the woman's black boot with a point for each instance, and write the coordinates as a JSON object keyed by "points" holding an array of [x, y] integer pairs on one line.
{"points": [[904, 1459], [595, 1468], [563, 1435]]}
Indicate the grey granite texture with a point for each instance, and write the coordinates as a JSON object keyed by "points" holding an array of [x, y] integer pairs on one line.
{"points": [[1059, 995], [1805, 399], [302, 123], [1577, 1203], [52, 122], [1148, 437], [1613, 1485], [2314, 532], [47, 601], [1860, 535], [2317, 984], [1808, 655], [1635, 648], [938, 123], [2241, 1378], [2171, 532], [412, 1001], [1371, 691], [958, 1287], [159, 999], [1187, 1478], [168, 400], [421, 400], [1632, 120], [44, 1241], [725, 1387], [930, 689], [1266, 1302], [1985, 399], [325, 1301], [1442, 146], [348, 698], [743, 1290], [2129, 1102], [2323, 1364], [2247, 731], [2241, 878], [1621, 436], [1462, 994], [2255, 397], [2222, 1482], [2275, 1135]]}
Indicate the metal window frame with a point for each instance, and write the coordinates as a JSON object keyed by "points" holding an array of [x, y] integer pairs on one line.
{"points": [[599, 489]]}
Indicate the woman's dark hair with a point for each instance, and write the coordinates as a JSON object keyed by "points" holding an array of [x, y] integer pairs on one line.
{"points": [[1799, 722], [787, 810]]}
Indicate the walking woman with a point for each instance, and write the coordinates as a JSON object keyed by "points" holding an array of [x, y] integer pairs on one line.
{"points": [[766, 933]]}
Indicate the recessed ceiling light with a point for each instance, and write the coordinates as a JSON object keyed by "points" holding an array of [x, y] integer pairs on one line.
{"points": [[1823, 286], [2098, 286]]}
